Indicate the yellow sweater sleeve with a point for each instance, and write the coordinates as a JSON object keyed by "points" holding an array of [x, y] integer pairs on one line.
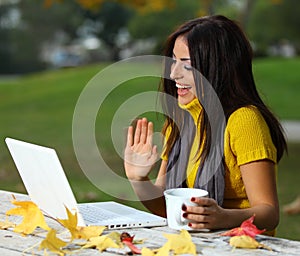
{"points": [[247, 138], [250, 138]]}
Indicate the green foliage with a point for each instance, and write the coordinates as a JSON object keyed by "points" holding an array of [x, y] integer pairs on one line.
{"points": [[21, 44], [108, 22], [159, 25], [271, 23]]}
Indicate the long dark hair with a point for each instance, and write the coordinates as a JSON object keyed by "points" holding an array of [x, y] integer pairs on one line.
{"points": [[221, 52]]}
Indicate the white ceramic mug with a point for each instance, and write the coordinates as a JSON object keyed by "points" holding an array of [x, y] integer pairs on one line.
{"points": [[175, 199]]}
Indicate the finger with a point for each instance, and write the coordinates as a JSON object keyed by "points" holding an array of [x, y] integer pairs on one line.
{"points": [[137, 133], [144, 125], [197, 209], [150, 133], [205, 201], [199, 218], [129, 136], [199, 225]]}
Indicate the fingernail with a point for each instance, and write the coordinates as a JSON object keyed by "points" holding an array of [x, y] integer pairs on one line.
{"points": [[184, 215], [193, 199], [190, 224], [183, 207]]}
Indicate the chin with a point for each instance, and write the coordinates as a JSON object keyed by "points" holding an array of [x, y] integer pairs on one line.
{"points": [[185, 100]]}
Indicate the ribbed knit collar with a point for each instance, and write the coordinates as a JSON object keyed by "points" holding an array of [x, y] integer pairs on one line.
{"points": [[194, 108]]}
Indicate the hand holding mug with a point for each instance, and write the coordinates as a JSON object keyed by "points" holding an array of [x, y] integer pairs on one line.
{"points": [[176, 199]]}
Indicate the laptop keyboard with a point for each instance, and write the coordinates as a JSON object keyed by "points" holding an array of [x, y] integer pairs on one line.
{"points": [[116, 216], [94, 214]]}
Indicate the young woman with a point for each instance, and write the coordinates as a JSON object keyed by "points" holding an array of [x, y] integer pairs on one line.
{"points": [[241, 182]]}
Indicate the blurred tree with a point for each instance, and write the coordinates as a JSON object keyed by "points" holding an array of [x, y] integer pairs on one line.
{"points": [[159, 24], [44, 22], [5, 35], [108, 23], [24, 28], [139, 5], [265, 22], [273, 21]]}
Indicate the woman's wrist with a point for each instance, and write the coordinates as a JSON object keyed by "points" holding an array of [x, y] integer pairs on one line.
{"points": [[137, 178], [234, 217]]}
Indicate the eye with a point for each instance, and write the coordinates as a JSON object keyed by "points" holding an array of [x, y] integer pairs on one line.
{"points": [[188, 67]]}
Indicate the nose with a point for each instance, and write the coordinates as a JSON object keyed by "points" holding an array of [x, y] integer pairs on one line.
{"points": [[176, 71]]}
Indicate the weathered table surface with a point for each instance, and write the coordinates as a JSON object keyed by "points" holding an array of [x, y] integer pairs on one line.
{"points": [[207, 243]]}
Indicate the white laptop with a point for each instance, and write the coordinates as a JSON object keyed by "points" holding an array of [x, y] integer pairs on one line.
{"points": [[47, 186]]}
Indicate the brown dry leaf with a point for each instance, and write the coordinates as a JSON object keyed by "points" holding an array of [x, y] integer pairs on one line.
{"points": [[101, 243], [246, 242], [32, 217], [52, 243], [80, 232]]}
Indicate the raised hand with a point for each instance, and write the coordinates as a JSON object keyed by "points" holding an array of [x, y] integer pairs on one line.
{"points": [[140, 154]]}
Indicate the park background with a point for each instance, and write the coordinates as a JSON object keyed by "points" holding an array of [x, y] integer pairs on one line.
{"points": [[50, 50]]}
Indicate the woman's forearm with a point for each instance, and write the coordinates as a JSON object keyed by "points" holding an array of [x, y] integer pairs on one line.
{"points": [[150, 195], [266, 216]]}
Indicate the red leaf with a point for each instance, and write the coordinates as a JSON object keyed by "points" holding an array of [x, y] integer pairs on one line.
{"points": [[246, 228], [127, 239], [132, 247]]}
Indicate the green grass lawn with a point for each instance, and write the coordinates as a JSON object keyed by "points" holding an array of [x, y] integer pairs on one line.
{"points": [[39, 108], [278, 82]]}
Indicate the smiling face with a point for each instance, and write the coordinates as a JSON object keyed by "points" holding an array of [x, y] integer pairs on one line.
{"points": [[182, 72]]}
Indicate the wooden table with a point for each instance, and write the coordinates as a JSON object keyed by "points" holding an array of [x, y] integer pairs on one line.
{"points": [[207, 243]]}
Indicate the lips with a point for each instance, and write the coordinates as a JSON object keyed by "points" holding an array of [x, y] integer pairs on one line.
{"points": [[183, 89], [183, 86]]}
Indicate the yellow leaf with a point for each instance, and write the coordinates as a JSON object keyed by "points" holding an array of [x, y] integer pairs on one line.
{"points": [[52, 243], [101, 243], [6, 224], [32, 217], [147, 252], [71, 222], [182, 243], [116, 237], [89, 232], [80, 232], [164, 250], [246, 242]]}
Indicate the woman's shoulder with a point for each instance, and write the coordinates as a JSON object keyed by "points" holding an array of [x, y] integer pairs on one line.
{"points": [[247, 120], [248, 136], [244, 115]]}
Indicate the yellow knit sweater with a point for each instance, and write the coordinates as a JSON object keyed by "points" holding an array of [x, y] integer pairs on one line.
{"points": [[247, 138]]}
